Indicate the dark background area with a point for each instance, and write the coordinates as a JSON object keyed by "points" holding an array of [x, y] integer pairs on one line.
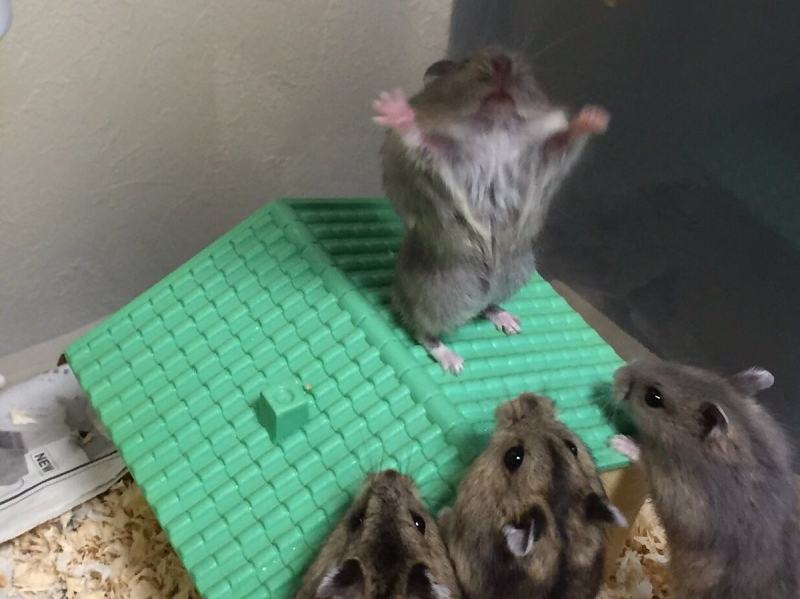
{"points": [[682, 224]]}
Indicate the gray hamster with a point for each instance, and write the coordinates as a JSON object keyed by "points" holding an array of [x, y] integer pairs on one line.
{"points": [[720, 477], [531, 514], [470, 164], [386, 545]]}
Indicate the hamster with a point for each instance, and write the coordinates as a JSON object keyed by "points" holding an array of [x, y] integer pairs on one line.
{"points": [[531, 514], [470, 164], [386, 545], [720, 477]]}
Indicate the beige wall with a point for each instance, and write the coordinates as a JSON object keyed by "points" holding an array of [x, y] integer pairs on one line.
{"points": [[134, 133]]}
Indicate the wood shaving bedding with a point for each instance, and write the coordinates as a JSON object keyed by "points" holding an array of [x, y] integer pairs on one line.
{"points": [[642, 571], [109, 547], [112, 547]]}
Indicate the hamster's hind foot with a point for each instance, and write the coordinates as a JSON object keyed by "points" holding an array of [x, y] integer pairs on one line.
{"points": [[449, 360], [626, 446], [504, 321]]}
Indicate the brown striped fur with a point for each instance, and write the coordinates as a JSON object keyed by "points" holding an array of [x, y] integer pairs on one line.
{"points": [[562, 490], [379, 550]]}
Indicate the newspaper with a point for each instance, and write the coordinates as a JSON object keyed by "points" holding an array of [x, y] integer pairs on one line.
{"points": [[54, 454]]}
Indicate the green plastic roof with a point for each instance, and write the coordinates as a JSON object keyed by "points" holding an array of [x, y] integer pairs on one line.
{"points": [[251, 390]]}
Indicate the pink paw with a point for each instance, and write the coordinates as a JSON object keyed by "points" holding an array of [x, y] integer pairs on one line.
{"points": [[449, 360], [590, 120], [627, 447], [394, 111], [504, 321]]}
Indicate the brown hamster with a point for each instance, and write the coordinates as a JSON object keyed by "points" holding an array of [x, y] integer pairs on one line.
{"points": [[530, 515], [720, 477], [386, 545], [470, 163]]}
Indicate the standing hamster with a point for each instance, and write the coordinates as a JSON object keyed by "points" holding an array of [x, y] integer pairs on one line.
{"points": [[720, 477], [470, 163], [386, 545], [530, 515]]}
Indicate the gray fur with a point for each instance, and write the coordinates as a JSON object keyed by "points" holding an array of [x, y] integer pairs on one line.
{"points": [[725, 493], [473, 207]]}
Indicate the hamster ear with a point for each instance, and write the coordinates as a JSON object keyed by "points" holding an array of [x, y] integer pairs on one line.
{"points": [[518, 540], [526, 404], [538, 403], [752, 380], [422, 585], [445, 521], [713, 420], [603, 511], [521, 535], [437, 69], [342, 582]]}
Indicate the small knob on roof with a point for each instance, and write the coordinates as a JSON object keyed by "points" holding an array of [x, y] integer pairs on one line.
{"points": [[282, 410]]}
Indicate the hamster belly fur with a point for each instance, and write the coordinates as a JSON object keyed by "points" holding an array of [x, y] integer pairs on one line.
{"points": [[442, 281]]}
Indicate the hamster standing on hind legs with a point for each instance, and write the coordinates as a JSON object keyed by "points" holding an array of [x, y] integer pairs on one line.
{"points": [[531, 513], [470, 163], [720, 477], [385, 546]]}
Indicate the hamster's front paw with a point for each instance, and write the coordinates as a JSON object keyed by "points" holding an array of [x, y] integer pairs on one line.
{"points": [[591, 120], [394, 111], [626, 446]]}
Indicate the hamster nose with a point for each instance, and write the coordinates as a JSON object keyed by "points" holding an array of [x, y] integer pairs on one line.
{"points": [[501, 65], [391, 473]]}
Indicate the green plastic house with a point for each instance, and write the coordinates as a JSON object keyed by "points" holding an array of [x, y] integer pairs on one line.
{"points": [[251, 390]]}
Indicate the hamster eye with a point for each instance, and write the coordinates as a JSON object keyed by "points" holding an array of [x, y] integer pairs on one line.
{"points": [[572, 447], [513, 458], [652, 397], [419, 522], [356, 520]]}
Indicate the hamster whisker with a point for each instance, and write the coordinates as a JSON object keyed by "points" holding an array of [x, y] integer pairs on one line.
{"points": [[557, 42], [542, 18], [407, 463], [375, 460]]}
